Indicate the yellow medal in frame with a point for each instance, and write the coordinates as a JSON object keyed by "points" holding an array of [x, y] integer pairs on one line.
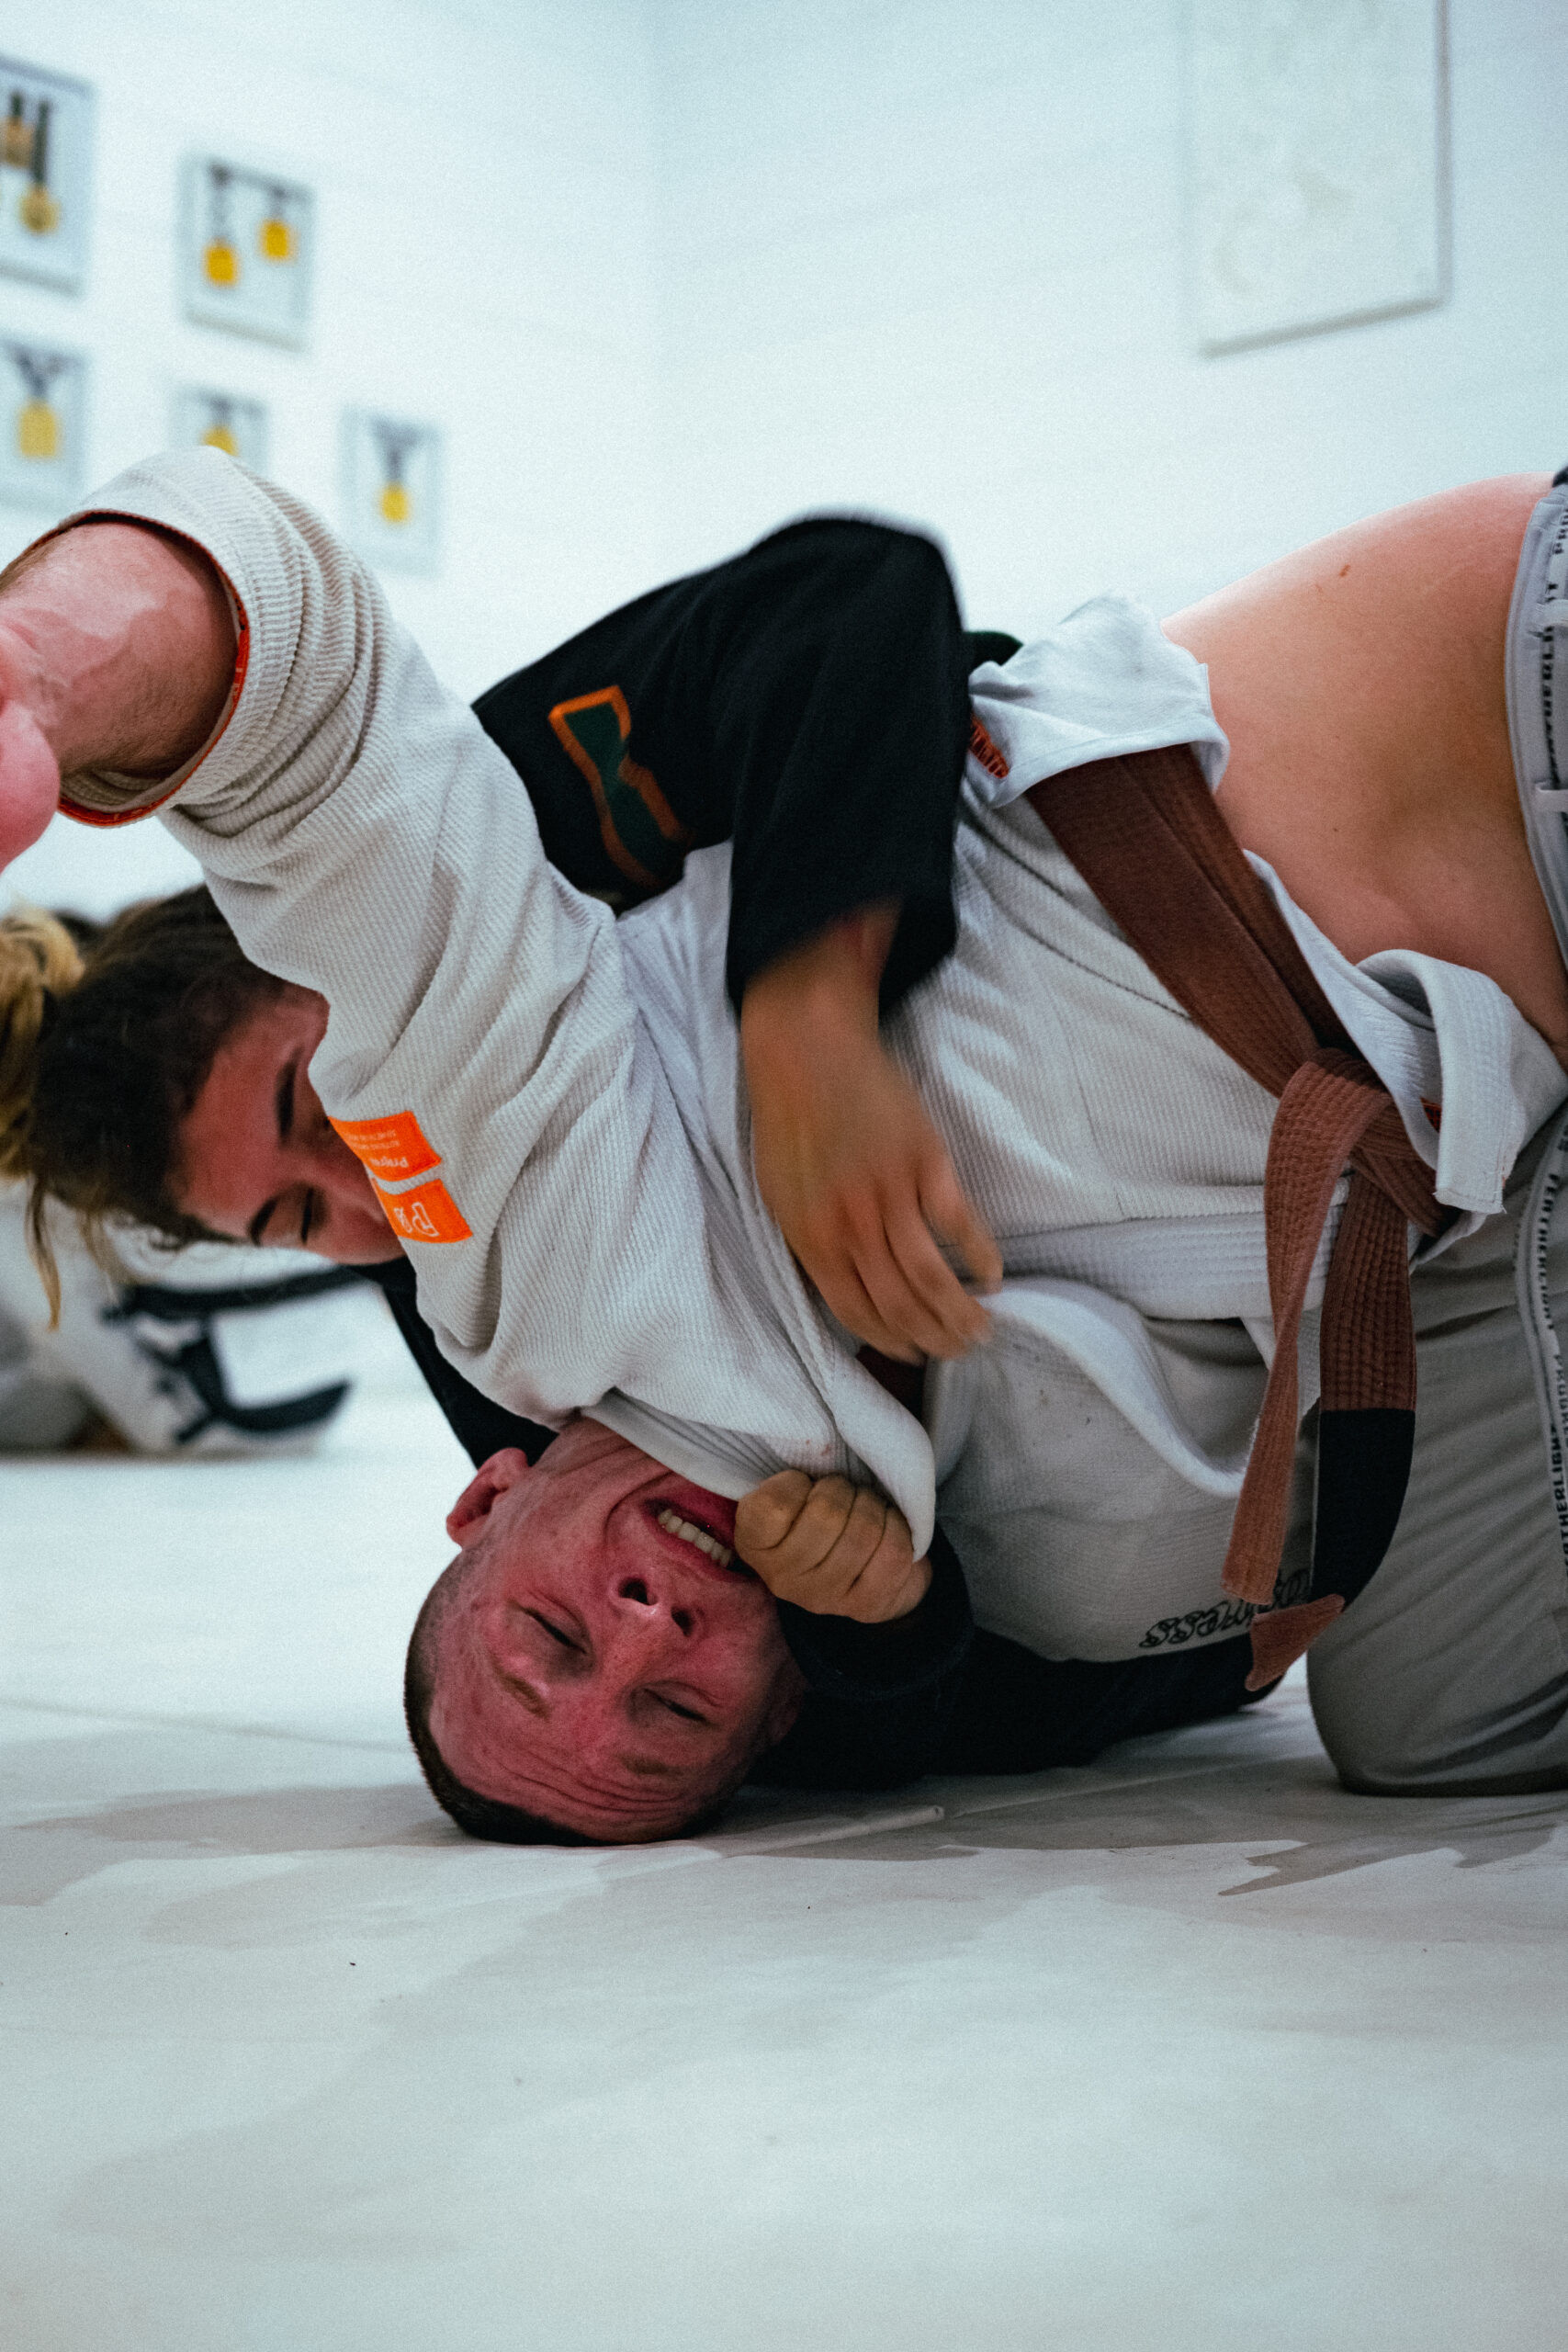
{"points": [[275, 240], [394, 503], [220, 255], [37, 431], [37, 420], [219, 431], [39, 211], [17, 134]]}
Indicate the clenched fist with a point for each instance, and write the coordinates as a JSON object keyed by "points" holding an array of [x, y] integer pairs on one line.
{"points": [[830, 1547], [116, 649]]}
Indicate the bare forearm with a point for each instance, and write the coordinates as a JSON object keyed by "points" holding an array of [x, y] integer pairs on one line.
{"points": [[825, 988], [118, 640]]}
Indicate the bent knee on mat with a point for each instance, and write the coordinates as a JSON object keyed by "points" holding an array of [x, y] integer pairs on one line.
{"points": [[1510, 1745]]}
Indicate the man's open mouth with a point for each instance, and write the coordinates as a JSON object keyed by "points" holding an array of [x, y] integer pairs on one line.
{"points": [[687, 1530]]}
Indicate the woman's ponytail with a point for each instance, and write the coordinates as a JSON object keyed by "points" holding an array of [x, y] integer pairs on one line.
{"points": [[40, 962], [102, 1055]]}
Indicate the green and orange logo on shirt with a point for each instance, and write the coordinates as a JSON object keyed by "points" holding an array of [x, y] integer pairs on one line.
{"points": [[642, 833]]}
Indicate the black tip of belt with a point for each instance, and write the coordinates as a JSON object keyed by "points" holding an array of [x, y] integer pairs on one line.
{"points": [[1363, 1469]]}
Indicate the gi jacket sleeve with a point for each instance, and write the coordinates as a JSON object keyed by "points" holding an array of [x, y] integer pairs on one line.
{"points": [[349, 816], [539, 1137], [807, 698], [932, 1693]]}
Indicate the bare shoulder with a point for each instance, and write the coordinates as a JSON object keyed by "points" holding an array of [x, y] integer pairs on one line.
{"points": [[1459, 545], [1361, 683], [1376, 652]]}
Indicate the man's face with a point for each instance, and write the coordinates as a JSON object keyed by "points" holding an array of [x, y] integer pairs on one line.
{"points": [[599, 1667], [258, 1157]]}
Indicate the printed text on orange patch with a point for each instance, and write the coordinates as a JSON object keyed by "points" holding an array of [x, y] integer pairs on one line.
{"points": [[394, 1147], [426, 1213]]}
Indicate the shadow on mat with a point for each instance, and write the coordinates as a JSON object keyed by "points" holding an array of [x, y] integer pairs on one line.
{"points": [[1294, 1804], [39, 1859], [1290, 1803]]}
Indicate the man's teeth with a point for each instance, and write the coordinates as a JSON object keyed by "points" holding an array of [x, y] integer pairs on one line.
{"points": [[674, 1524]]}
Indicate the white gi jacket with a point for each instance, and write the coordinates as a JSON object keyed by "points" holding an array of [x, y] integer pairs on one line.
{"points": [[563, 1098]]}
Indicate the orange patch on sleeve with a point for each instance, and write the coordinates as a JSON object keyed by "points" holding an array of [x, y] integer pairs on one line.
{"points": [[425, 1213], [394, 1147]]}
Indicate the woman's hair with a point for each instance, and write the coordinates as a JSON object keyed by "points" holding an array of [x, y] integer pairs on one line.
{"points": [[104, 1048]]}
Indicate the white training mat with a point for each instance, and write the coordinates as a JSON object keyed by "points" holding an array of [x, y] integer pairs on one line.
{"points": [[1191, 2050]]}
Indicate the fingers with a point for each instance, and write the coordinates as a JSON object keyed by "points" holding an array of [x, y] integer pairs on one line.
{"points": [[867, 1281], [923, 1295], [951, 1213], [912, 1588], [889, 1254], [880, 1270], [843, 1291], [764, 1517], [835, 1549], [863, 1186]]}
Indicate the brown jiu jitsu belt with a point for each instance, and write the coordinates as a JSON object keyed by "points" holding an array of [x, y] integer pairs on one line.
{"points": [[1147, 837]]}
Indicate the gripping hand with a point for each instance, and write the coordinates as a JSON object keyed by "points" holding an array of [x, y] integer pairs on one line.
{"points": [[832, 1548], [847, 1159]]}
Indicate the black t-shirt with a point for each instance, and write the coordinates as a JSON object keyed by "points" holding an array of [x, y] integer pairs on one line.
{"points": [[808, 700]]}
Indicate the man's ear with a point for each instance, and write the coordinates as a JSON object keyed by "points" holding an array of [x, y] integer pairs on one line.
{"points": [[469, 1515], [789, 1701]]}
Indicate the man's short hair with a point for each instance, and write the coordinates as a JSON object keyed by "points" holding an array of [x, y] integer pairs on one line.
{"points": [[490, 1817]]}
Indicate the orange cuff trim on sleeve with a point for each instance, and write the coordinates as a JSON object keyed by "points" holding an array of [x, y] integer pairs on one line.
{"points": [[981, 748], [395, 1147], [425, 1213], [101, 818]]}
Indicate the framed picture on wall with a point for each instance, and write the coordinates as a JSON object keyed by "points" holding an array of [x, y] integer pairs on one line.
{"points": [[43, 403], [1317, 164], [392, 486], [227, 421], [246, 250], [46, 174]]}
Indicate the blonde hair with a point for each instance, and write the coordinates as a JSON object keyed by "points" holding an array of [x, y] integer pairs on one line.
{"points": [[38, 962], [102, 1055]]}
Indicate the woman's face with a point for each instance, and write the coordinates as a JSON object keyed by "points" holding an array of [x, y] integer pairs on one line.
{"points": [[258, 1159]]}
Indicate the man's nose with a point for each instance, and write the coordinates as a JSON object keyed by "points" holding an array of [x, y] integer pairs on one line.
{"points": [[647, 1613]]}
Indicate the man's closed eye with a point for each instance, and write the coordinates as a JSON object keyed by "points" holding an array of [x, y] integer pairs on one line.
{"points": [[562, 1639], [687, 1715]]}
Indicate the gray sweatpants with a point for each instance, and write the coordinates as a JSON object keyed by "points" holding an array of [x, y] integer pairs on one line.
{"points": [[1449, 1674]]}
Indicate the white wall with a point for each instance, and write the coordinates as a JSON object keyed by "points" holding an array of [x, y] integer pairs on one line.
{"points": [[926, 255], [483, 179]]}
